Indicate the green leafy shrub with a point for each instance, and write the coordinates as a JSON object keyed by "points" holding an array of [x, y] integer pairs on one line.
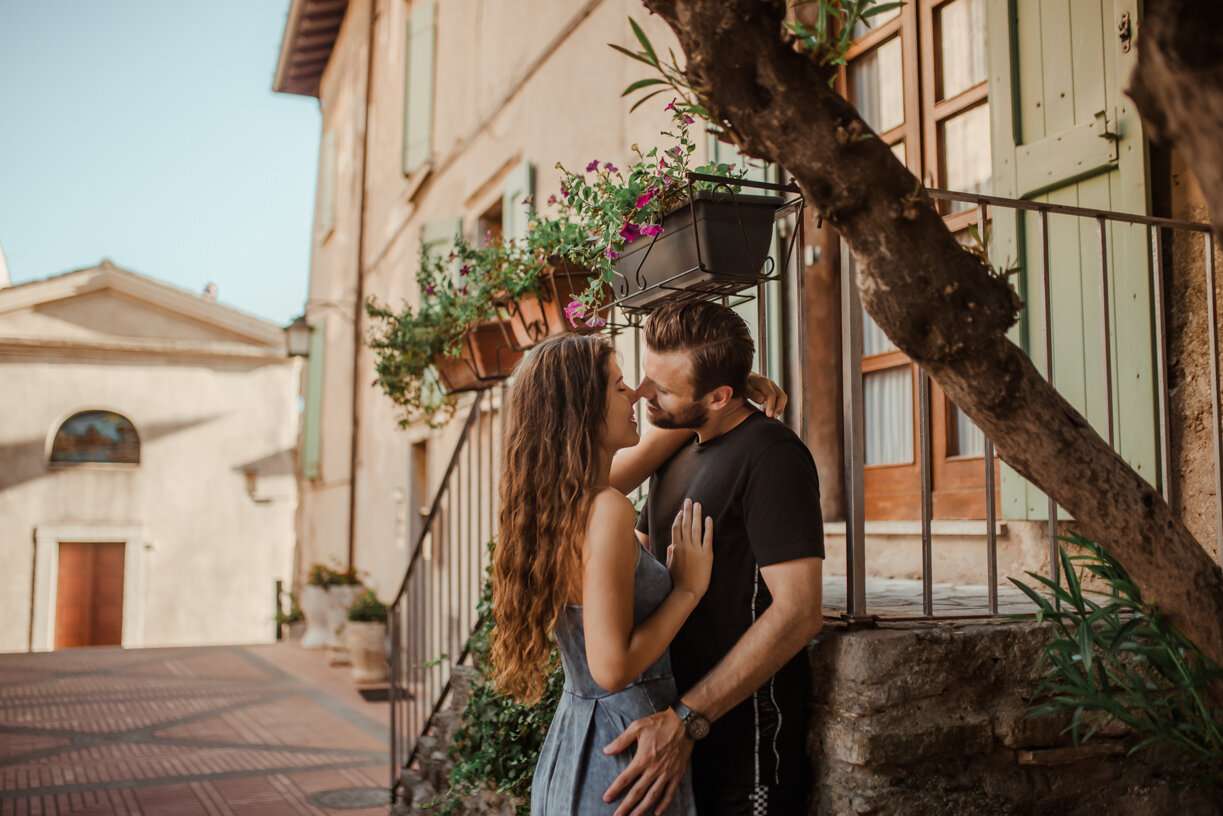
{"points": [[367, 609], [324, 576], [498, 744], [1121, 660], [294, 614]]}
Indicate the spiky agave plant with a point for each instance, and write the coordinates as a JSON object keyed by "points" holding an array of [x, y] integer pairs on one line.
{"points": [[1116, 658]]}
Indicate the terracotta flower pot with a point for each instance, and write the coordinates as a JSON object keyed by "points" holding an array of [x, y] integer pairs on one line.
{"points": [[314, 607], [720, 251], [534, 317], [367, 649], [339, 598], [487, 357]]}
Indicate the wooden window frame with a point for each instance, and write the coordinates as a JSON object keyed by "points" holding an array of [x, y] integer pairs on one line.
{"points": [[958, 481]]}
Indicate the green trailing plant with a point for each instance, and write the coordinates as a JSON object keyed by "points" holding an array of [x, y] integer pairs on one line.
{"points": [[406, 342], [1119, 659], [497, 746], [367, 609]]}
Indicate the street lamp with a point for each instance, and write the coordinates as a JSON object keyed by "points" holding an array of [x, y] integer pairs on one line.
{"points": [[297, 337]]}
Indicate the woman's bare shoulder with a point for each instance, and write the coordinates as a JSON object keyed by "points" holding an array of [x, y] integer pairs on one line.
{"points": [[611, 507]]}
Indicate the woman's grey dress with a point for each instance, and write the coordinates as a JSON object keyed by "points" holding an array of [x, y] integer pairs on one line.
{"points": [[573, 772]]}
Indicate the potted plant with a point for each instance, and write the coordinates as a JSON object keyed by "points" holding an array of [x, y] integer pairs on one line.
{"points": [[340, 589], [366, 638], [650, 229], [314, 608], [292, 624], [528, 282], [454, 341]]}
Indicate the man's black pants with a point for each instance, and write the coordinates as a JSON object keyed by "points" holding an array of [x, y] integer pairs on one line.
{"points": [[762, 800]]}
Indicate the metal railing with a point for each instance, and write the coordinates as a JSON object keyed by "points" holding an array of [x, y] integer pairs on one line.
{"points": [[989, 208], [435, 610]]}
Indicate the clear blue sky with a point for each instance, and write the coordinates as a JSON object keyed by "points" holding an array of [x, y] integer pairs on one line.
{"points": [[147, 132]]}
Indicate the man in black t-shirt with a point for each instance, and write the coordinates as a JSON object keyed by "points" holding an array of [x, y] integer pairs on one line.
{"points": [[739, 659]]}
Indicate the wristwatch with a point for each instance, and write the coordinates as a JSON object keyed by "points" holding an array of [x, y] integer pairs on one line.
{"points": [[695, 725]]}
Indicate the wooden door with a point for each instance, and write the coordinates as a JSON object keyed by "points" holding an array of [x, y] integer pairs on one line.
{"points": [[89, 594]]}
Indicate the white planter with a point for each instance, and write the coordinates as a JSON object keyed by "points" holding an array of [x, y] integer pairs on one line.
{"points": [[367, 650], [314, 607], [339, 598]]}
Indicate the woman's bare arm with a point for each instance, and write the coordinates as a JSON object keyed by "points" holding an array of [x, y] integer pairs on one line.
{"points": [[616, 650], [632, 466]]}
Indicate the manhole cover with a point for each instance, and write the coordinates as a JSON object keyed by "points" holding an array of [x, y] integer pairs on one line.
{"points": [[351, 798]]}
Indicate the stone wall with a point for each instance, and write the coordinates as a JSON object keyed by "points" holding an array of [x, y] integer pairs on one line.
{"points": [[923, 719], [912, 719]]}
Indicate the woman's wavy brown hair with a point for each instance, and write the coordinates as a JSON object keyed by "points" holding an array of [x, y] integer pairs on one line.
{"points": [[555, 414]]}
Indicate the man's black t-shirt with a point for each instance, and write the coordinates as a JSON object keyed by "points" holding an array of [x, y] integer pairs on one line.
{"points": [[758, 482]]}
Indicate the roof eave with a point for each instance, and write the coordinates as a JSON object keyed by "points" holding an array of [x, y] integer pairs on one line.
{"points": [[319, 22]]}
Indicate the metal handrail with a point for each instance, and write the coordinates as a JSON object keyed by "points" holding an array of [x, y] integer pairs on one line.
{"points": [[433, 613]]}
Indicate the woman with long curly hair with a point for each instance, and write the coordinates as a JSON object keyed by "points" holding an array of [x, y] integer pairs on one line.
{"points": [[568, 566]]}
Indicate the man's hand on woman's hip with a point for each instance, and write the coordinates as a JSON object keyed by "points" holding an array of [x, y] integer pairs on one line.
{"points": [[663, 751]]}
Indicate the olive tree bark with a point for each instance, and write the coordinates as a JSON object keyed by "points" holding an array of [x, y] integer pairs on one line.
{"points": [[942, 305], [1178, 88]]}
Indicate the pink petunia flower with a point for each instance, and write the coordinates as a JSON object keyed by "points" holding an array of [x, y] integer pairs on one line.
{"points": [[552, 199], [688, 120], [611, 168], [611, 254], [593, 166], [465, 270], [573, 311], [670, 105], [430, 289], [646, 197], [652, 229], [629, 232], [596, 322]]}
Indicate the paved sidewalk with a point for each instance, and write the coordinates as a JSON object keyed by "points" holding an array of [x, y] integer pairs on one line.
{"points": [[208, 731]]}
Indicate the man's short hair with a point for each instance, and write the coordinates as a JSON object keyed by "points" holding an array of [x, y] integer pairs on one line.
{"points": [[716, 338]]}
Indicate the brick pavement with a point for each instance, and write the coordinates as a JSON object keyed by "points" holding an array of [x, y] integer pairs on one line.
{"points": [[213, 731]]}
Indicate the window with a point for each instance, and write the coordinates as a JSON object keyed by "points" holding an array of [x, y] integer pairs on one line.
{"points": [[96, 436], [918, 75]]}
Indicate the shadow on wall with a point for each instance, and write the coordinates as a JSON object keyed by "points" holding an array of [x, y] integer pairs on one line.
{"points": [[26, 460]]}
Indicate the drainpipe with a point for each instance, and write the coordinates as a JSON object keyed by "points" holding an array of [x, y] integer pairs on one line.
{"points": [[360, 299]]}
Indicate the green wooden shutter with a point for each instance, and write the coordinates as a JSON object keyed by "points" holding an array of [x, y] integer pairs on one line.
{"points": [[514, 212], [418, 86], [327, 184], [312, 424], [1064, 132]]}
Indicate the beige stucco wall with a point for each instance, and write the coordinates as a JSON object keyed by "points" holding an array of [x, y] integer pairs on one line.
{"points": [[529, 80], [203, 555]]}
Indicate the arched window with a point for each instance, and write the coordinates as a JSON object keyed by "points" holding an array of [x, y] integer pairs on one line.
{"points": [[96, 436]]}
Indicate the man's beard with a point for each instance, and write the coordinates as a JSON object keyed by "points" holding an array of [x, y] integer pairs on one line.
{"points": [[694, 416]]}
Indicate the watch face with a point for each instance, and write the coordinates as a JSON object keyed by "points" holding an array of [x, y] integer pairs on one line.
{"points": [[697, 726]]}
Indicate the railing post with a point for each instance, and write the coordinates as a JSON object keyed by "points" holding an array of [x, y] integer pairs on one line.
{"points": [[927, 484], [855, 444], [1047, 333]]}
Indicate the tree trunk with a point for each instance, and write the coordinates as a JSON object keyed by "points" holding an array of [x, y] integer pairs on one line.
{"points": [[1178, 88], [937, 302]]}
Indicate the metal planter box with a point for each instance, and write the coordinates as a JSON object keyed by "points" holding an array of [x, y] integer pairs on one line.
{"points": [[714, 245]]}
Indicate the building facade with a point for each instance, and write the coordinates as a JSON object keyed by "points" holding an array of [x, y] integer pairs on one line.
{"points": [[147, 493], [444, 116]]}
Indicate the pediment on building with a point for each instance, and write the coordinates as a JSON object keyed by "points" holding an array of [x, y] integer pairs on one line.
{"points": [[109, 307]]}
